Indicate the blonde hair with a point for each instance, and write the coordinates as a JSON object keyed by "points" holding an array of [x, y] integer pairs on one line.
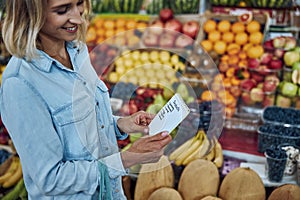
{"points": [[22, 23]]}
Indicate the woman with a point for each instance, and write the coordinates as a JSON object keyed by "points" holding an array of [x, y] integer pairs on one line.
{"points": [[57, 110]]}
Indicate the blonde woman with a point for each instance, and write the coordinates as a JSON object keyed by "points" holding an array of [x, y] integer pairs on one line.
{"points": [[57, 110]]}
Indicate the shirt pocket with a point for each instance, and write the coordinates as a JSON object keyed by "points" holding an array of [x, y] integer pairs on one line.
{"points": [[77, 127]]}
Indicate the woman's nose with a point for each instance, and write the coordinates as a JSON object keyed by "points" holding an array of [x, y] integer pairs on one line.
{"points": [[75, 17]]}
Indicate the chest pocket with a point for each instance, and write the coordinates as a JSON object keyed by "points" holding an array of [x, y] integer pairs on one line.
{"points": [[77, 128]]}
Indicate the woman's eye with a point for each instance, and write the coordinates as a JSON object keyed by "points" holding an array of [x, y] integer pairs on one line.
{"points": [[63, 11], [80, 3]]}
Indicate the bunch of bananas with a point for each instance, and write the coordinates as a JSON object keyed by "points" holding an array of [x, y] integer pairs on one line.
{"points": [[198, 147], [11, 172]]}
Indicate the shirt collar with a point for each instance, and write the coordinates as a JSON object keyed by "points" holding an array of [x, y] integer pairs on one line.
{"points": [[44, 62]]}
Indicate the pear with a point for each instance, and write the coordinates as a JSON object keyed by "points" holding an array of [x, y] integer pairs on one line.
{"points": [[168, 92], [183, 91], [159, 101], [153, 109]]}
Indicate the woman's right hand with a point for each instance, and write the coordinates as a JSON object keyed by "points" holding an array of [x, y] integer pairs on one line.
{"points": [[147, 149]]}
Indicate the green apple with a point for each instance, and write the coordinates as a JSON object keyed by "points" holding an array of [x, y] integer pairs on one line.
{"points": [[296, 65], [291, 57], [283, 101], [289, 89]]}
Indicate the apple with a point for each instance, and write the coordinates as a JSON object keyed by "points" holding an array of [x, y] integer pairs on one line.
{"points": [[247, 84], [235, 91], [290, 43], [268, 100], [166, 14], [263, 70], [266, 58], [289, 89], [183, 41], [282, 101], [290, 57], [253, 63], [279, 53], [268, 44], [167, 40], [245, 96], [191, 28], [273, 78], [174, 25], [279, 42], [151, 39], [275, 64], [257, 94], [296, 65], [156, 26], [269, 86]]}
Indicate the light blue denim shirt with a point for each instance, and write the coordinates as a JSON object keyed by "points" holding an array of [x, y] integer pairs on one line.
{"points": [[61, 124]]}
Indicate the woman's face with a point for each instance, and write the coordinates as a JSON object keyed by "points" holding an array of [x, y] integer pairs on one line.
{"points": [[62, 20]]}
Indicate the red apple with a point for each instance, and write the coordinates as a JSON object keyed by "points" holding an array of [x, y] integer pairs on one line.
{"points": [[269, 86], [151, 39], [167, 40], [156, 26], [253, 63], [191, 28], [279, 53], [183, 41], [279, 42], [166, 14], [266, 58], [273, 78], [275, 64], [290, 43], [247, 84], [257, 77], [245, 96], [269, 100], [174, 25], [257, 94], [268, 44], [263, 70]]}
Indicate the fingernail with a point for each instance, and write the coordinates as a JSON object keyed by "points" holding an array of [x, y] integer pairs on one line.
{"points": [[146, 130], [164, 134]]}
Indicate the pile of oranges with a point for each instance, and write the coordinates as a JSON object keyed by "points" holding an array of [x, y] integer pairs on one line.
{"points": [[119, 31], [225, 36]]}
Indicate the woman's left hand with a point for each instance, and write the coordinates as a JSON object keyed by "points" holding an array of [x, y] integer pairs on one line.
{"points": [[137, 122]]}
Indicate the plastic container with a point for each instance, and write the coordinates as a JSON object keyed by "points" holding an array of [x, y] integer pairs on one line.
{"points": [[275, 165], [271, 134]]}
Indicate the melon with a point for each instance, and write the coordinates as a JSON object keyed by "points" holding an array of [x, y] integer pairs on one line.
{"points": [[211, 198], [285, 192], [165, 193], [242, 183], [153, 176], [200, 178]]}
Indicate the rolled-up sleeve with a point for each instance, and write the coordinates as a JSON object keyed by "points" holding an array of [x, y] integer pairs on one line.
{"points": [[120, 135]]}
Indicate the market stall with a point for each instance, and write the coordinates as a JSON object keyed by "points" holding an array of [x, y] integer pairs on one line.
{"points": [[236, 65]]}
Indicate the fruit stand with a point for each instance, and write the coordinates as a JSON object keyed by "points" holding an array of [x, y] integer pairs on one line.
{"points": [[241, 84]]}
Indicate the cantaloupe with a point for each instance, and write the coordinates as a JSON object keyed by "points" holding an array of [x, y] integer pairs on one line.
{"points": [[285, 192], [242, 184], [165, 193], [200, 178], [152, 177]]}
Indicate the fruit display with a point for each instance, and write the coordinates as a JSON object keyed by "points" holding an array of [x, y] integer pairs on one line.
{"points": [[281, 116], [253, 3], [170, 31], [116, 6], [178, 6]]}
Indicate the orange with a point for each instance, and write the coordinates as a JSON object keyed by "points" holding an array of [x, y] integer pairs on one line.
{"points": [[255, 51], [109, 24], [220, 47], [238, 27], [207, 45], [241, 38], [98, 22], [228, 37], [247, 46], [100, 32], [214, 36], [141, 25], [256, 37], [233, 49], [210, 25], [131, 24], [109, 33], [120, 23], [253, 26], [207, 95], [233, 60], [91, 35], [224, 26]]}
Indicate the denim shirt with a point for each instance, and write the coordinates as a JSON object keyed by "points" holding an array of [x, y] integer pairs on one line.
{"points": [[61, 124]]}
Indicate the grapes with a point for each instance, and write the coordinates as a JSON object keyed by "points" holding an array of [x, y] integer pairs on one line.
{"points": [[276, 163], [281, 115]]}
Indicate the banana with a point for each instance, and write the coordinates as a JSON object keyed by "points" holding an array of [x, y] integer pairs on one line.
{"points": [[14, 178], [5, 165], [211, 155], [11, 170], [219, 158], [200, 152], [182, 148], [179, 160]]}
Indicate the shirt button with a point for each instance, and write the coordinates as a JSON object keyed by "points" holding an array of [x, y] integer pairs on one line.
{"points": [[84, 83], [102, 126], [116, 190], [97, 103]]}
